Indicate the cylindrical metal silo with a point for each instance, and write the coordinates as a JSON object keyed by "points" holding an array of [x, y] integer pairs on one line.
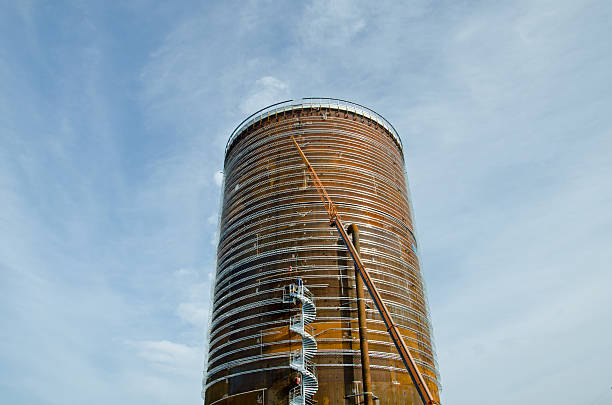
{"points": [[274, 230]]}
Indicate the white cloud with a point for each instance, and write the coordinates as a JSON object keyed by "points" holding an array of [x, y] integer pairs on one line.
{"points": [[170, 357], [194, 313], [192, 292], [334, 23], [218, 178], [265, 91], [185, 272]]}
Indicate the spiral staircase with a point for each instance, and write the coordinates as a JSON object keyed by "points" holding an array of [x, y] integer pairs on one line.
{"points": [[301, 360]]}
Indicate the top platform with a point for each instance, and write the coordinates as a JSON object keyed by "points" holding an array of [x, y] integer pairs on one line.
{"points": [[314, 102]]}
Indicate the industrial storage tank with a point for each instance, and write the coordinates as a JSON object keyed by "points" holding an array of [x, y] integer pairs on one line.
{"points": [[275, 238]]}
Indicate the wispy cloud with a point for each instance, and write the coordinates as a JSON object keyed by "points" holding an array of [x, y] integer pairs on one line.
{"points": [[218, 178], [170, 356], [336, 23], [266, 90]]}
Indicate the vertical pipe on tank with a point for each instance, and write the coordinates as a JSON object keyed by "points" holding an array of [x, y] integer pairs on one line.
{"points": [[363, 331]]}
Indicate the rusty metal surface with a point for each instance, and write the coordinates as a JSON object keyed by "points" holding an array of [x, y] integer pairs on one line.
{"points": [[272, 219]]}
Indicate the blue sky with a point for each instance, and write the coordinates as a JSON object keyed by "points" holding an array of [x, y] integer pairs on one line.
{"points": [[113, 121]]}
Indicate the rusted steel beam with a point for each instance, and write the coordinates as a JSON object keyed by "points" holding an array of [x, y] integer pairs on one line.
{"points": [[363, 327]]}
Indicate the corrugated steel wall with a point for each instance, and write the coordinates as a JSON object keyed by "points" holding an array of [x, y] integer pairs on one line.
{"points": [[274, 229]]}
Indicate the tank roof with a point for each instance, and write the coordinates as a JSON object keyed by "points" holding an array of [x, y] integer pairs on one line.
{"points": [[314, 102]]}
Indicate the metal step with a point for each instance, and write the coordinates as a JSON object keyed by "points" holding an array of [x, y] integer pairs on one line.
{"points": [[300, 360]]}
